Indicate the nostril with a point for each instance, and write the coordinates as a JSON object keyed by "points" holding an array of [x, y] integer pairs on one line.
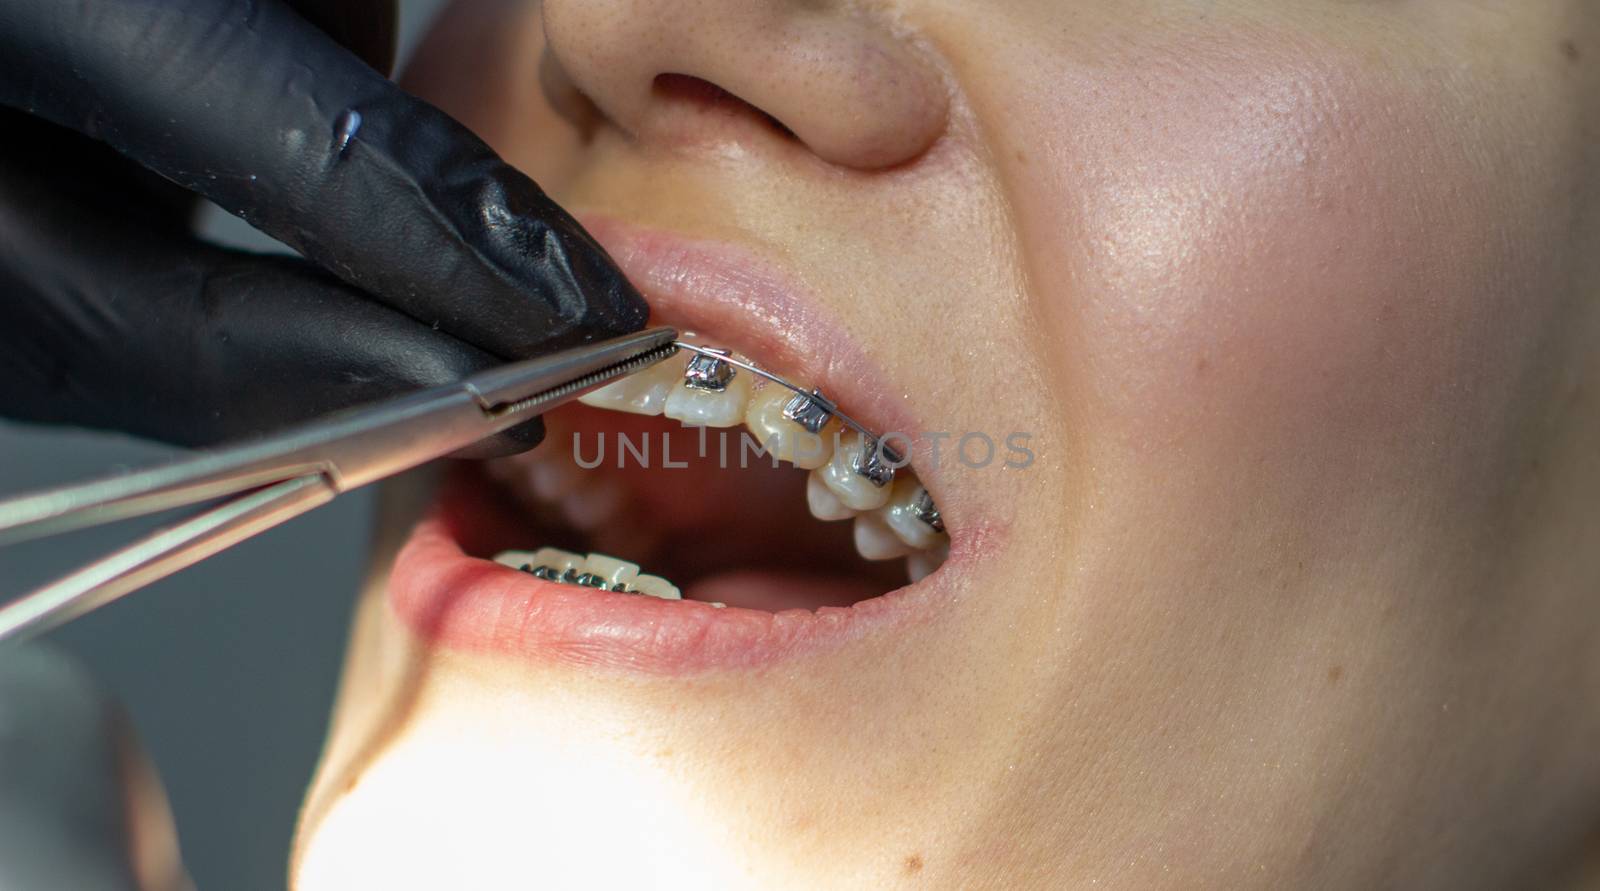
{"points": [[702, 95], [565, 98], [838, 80]]}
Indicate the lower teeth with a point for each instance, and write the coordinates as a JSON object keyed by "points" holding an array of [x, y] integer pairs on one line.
{"points": [[592, 571]]}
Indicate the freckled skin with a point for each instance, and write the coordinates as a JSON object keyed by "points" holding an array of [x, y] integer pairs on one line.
{"points": [[1300, 304]]}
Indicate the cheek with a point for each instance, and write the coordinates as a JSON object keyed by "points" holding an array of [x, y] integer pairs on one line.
{"points": [[1271, 263], [480, 63]]}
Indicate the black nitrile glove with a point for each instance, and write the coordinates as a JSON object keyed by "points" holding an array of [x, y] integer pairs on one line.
{"points": [[443, 259], [80, 805]]}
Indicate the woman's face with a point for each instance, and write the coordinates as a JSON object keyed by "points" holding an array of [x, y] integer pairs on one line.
{"points": [[1294, 304]]}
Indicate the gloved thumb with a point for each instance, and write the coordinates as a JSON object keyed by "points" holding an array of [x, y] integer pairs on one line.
{"points": [[80, 804]]}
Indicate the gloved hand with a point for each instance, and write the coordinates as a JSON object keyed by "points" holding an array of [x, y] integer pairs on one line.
{"points": [[80, 806], [443, 259]]}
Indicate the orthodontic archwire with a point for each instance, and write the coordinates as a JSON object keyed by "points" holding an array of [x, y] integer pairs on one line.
{"points": [[810, 409], [710, 369], [571, 576]]}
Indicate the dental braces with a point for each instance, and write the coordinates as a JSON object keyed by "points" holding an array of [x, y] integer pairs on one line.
{"points": [[574, 577], [708, 371], [711, 369], [810, 410], [925, 510]]}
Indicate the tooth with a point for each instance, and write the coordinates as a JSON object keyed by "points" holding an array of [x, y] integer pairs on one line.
{"points": [[921, 563], [514, 559], [783, 437], [593, 570], [876, 541], [612, 571], [555, 558], [823, 503], [903, 516], [644, 393], [710, 408], [854, 490], [656, 586]]}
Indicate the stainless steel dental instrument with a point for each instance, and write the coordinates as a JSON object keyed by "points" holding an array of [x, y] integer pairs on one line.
{"points": [[268, 481], [809, 408]]}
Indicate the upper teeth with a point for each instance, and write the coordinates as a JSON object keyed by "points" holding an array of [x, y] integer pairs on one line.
{"points": [[904, 513], [823, 503], [641, 393], [857, 490], [767, 419], [707, 372], [812, 411], [852, 476], [713, 394]]}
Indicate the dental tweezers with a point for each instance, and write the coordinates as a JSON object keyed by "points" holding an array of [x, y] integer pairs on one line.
{"points": [[268, 481]]}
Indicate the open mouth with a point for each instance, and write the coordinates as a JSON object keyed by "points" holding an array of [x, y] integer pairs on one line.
{"points": [[700, 480], [695, 514]]}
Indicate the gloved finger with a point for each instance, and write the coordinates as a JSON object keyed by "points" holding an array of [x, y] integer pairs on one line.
{"points": [[250, 105], [94, 174], [220, 346], [115, 326], [80, 804]]}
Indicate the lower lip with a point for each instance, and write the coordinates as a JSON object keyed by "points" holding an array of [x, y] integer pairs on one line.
{"points": [[459, 602]]}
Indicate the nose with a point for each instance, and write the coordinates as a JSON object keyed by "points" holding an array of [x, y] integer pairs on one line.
{"points": [[845, 83]]}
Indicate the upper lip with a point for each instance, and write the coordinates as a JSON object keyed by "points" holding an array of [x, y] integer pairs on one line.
{"points": [[730, 295], [731, 292]]}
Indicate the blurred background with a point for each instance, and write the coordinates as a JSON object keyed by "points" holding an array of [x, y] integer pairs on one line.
{"points": [[228, 669]]}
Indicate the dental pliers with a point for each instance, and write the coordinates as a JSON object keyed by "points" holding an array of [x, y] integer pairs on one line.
{"points": [[267, 481]]}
